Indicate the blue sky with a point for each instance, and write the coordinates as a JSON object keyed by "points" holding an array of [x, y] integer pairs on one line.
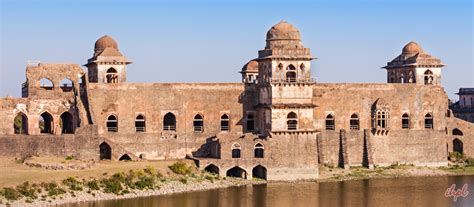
{"points": [[209, 41]]}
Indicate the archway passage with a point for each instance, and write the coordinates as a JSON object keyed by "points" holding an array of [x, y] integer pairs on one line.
{"points": [[20, 124], [67, 123], [125, 157], [237, 172], [259, 172], [458, 146], [46, 123], [105, 151], [212, 169]]}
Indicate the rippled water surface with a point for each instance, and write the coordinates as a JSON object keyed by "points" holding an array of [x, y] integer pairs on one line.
{"points": [[419, 191]]}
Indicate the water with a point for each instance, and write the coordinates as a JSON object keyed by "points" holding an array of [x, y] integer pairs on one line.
{"points": [[396, 192]]}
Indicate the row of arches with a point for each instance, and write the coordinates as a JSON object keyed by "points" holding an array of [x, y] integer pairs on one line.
{"points": [[258, 171], [45, 123], [105, 153], [66, 84], [169, 123], [258, 150]]}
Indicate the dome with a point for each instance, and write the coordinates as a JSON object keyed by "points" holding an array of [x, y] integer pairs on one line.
{"points": [[283, 31], [105, 42], [251, 66], [412, 47]]}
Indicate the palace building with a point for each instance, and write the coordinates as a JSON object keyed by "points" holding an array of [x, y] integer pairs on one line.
{"points": [[277, 124]]}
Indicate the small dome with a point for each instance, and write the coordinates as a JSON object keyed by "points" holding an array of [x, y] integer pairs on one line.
{"points": [[105, 42], [251, 66], [283, 31], [412, 47]]}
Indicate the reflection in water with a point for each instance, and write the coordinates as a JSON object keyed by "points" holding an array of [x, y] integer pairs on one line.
{"points": [[421, 191]]}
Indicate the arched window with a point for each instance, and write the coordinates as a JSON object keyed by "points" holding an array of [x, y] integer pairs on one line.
{"points": [[354, 122], [457, 132], [258, 150], [428, 77], [405, 121], [250, 122], [67, 123], [46, 84], [236, 150], [140, 123], [111, 76], [20, 124], [224, 122], [112, 123], [66, 85], [169, 122], [330, 124], [46, 123], [428, 121], [292, 121], [198, 123], [458, 146], [291, 73]]}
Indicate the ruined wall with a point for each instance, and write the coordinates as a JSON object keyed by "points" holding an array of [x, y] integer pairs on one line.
{"points": [[414, 145], [465, 134]]}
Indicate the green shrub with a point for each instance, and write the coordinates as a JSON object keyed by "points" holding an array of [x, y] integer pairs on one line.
{"points": [[72, 184], [27, 190], [112, 185], [150, 170], [10, 194], [53, 189], [183, 180], [93, 185], [180, 168], [70, 157], [210, 178], [469, 161], [145, 182], [456, 156]]}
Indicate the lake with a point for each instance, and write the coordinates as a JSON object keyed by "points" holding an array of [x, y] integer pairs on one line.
{"points": [[396, 192]]}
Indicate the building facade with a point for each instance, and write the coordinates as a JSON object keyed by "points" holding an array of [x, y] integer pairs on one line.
{"points": [[464, 108], [277, 124]]}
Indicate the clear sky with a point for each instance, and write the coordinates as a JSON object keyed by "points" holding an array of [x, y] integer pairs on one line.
{"points": [[210, 40]]}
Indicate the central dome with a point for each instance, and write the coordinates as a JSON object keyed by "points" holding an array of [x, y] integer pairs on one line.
{"points": [[411, 48], [105, 42], [283, 31]]}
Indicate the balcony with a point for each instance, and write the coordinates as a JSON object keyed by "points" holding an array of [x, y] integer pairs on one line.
{"points": [[293, 80]]}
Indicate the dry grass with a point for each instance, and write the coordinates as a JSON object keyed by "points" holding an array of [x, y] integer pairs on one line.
{"points": [[13, 173]]}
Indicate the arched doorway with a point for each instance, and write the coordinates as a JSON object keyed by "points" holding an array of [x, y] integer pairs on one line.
{"points": [[125, 157], [105, 151], [20, 124], [67, 123], [212, 169], [237, 172], [259, 172], [46, 123], [458, 146], [169, 122]]}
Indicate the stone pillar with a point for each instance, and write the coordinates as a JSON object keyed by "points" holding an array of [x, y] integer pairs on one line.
{"points": [[343, 157], [367, 152]]}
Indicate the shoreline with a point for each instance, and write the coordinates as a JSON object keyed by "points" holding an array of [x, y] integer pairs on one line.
{"points": [[170, 183]]}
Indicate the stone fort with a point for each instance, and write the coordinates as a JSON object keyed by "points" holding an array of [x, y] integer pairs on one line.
{"points": [[277, 124]]}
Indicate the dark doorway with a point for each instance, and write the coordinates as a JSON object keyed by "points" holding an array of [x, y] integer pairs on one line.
{"points": [[67, 123], [458, 146], [20, 124], [258, 151], [212, 169], [105, 151], [46, 123], [125, 157], [259, 172], [237, 172]]}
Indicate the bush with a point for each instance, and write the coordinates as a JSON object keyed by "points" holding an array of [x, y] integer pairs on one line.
{"points": [[10, 194], [180, 168], [145, 182], [93, 185], [70, 157], [53, 189], [470, 162], [72, 184], [210, 178], [455, 156], [112, 185], [27, 190], [183, 180]]}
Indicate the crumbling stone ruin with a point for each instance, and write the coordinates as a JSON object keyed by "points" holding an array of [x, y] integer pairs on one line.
{"points": [[277, 124]]}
